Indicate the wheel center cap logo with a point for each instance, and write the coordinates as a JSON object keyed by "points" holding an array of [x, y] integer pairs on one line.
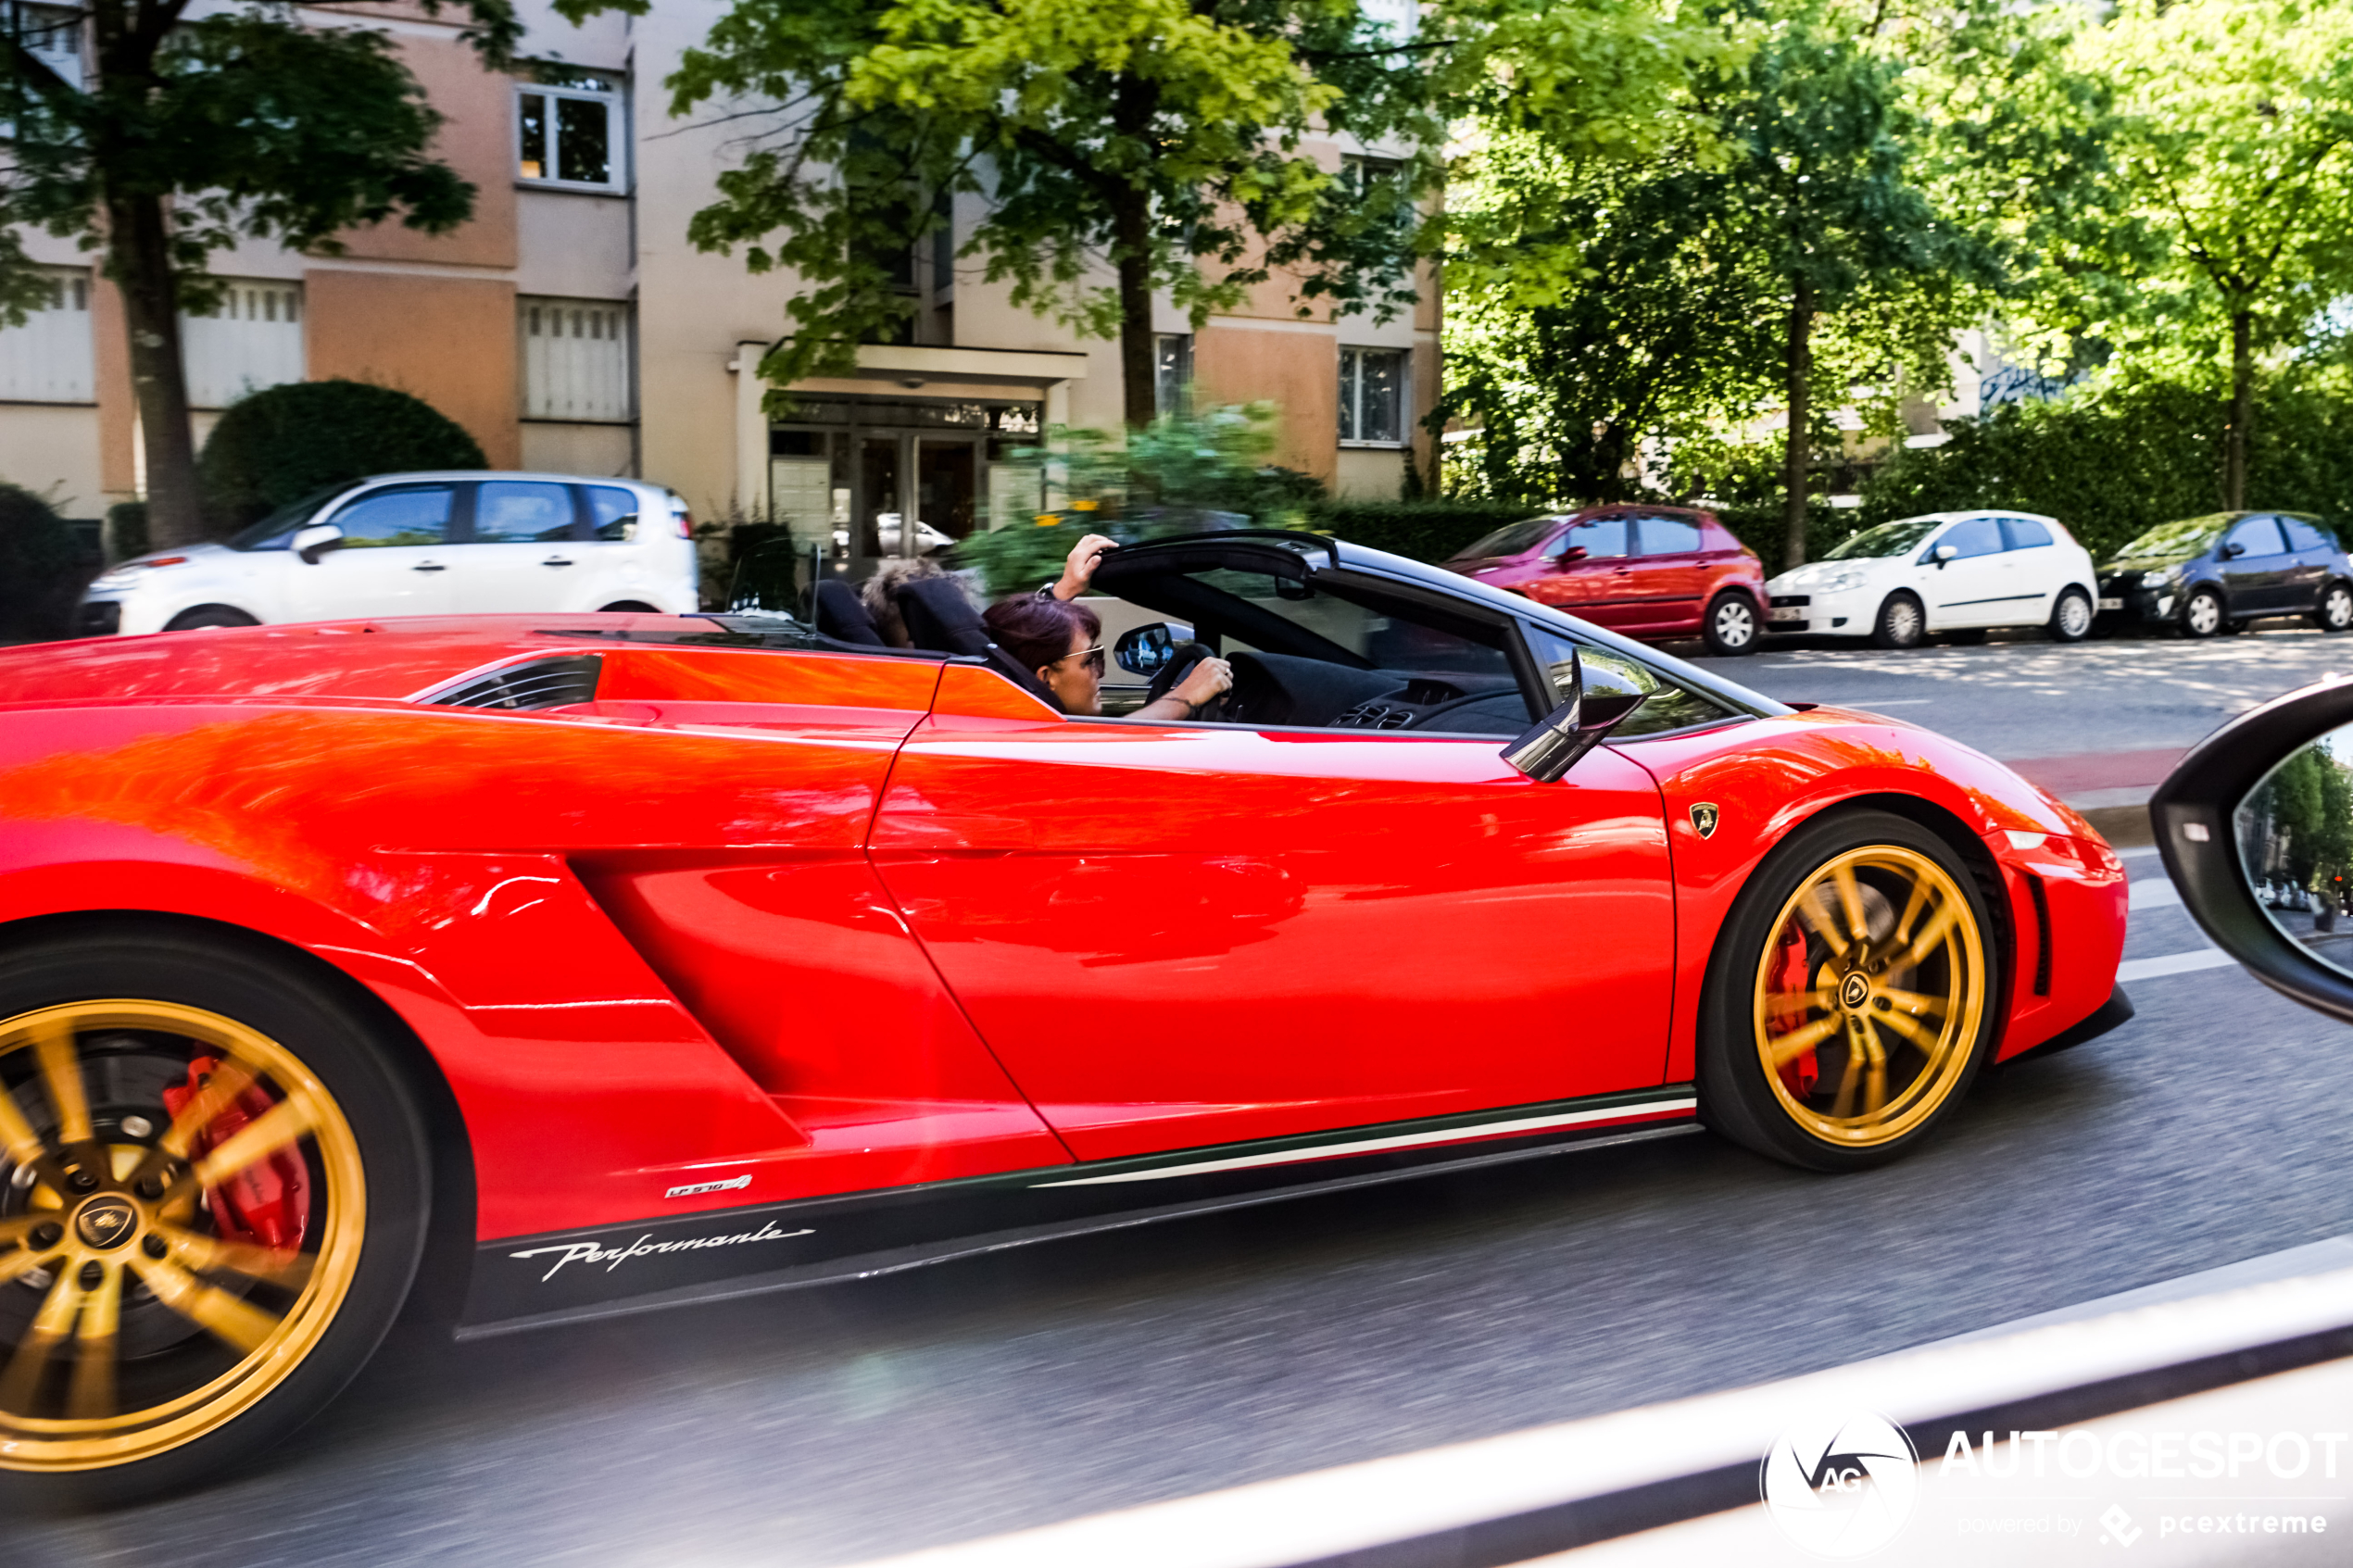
{"points": [[106, 1222], [1853, 992]]}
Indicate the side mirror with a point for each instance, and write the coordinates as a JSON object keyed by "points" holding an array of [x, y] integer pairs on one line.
{"points": [[2255, 828], [315, 541], [1547, 749], [1145, 650], [2232, 550], [1574, 553], [1943, 553]]}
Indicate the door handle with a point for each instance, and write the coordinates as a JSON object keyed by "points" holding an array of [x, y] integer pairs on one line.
{"points": [[556, 560], [428, 566]]}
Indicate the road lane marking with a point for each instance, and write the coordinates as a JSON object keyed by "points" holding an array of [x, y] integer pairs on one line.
{"points": [[2154, 893], [2174, 963]]}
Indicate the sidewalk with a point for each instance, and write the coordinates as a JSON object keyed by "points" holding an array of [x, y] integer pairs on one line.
{"points": [[2111, 788]]}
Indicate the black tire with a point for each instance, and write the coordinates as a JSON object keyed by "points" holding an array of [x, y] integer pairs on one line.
{"points": [[628, 607], [2071, 617], [1732, 623], [1967, 637], [1738, 1096], [1900, 623], [2334, 612], [330, 1318], [209, 615], [2202, 614]]}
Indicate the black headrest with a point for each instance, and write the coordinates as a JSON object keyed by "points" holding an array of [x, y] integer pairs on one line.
{"points": [[940, 617], [841, 615]]}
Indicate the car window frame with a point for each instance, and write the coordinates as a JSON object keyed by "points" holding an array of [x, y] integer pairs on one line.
{"points": [[456, 531], [1944, 537], [2048, 541], [579, 528], [2279, 538], [1642, 529]]}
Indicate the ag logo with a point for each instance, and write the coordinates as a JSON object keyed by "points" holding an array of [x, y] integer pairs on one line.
{"points": [[1703, 817], [1841, 1489]]}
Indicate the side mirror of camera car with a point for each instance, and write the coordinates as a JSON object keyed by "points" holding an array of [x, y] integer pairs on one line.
{"points": [[1547, 749], [1145, 650], [2255, 828], [315, 541]]}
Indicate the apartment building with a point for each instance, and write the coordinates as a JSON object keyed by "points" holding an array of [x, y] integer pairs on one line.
{"points": [[569, 326]]}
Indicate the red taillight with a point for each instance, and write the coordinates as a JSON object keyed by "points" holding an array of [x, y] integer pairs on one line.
{"points": [[685, 525]]}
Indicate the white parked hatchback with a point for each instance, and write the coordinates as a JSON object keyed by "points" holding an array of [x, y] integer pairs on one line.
{"points": [[1946, 572], [419, 544]]}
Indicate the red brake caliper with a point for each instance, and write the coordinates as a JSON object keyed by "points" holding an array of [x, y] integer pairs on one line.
{"points": [[267, 1203], [1789, 975]]}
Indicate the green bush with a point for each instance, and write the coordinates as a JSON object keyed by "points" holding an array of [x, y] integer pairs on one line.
{"points": [[43, 568], [126, 530], [1430, 531], [279, 445]]}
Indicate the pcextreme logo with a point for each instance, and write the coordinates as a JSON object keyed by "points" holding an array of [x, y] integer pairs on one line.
{"points": [[1841, 1489]]}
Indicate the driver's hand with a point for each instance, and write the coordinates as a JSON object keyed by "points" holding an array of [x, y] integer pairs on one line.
{"points": [[1205, 682], [1080, 568]]}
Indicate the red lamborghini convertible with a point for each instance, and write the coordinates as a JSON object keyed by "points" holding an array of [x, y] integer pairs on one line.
{"points": [[524, 970]]}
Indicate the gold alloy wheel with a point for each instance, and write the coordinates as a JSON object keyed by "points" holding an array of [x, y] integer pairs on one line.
{"points": [[134, 1316], [1869, 994]]}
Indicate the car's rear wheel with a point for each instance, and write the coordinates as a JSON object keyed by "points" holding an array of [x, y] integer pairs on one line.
{"points": [[212, 1198], [628, 607], [209, 615], [1901, 623], [2071, 616], [1729, 628], [1850, 999], [2202, 616], [2335, 611]]}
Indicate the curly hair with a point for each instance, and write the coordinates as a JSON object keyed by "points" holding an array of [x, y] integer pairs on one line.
{"points": [[1035, 630]]}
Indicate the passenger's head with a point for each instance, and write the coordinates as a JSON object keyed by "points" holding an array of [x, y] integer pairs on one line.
{"points": [[1054, 641]]}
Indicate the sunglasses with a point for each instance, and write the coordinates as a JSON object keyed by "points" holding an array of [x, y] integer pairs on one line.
{"points": [[1094, 657]]}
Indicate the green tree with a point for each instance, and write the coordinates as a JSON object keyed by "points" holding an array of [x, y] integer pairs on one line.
{"points": [[188, 134], [2232, 146]]}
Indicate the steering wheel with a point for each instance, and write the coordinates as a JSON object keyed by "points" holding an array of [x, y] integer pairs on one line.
{"points": [[1180, 664]]}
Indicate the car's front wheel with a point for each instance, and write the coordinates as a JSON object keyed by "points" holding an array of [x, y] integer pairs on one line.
{"points": [[2202, 616], [1731, 627], [209, 615], [1849, 1001], [213, 1194], [2335, 611], [2071, 616], [1901, 623]]}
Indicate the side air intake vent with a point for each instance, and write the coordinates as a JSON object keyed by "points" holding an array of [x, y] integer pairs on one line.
{"points": [[543, 682]]}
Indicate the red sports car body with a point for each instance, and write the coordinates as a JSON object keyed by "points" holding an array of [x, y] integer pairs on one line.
{"points": [[713, 956]]}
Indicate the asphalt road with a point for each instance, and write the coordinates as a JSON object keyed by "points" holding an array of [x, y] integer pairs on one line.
{"points": [[832, 1426]]}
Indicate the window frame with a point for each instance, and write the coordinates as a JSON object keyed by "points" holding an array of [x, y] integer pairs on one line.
{"points": [[615, 100], [1353, 412], [2279, 537]]}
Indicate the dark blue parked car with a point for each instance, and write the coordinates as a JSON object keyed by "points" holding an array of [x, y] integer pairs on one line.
{"points": [[2216, 573]]}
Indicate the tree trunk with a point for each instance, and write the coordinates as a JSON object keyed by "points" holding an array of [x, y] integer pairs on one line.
{"points": [[139, 260], [1131, 240], [2241, 412], [1801, 375]]}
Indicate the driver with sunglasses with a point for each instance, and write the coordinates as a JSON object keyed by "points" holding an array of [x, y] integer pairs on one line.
{"points": [[1060, 642]]}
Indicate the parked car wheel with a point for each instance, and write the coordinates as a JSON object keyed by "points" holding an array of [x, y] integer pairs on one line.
{"points": [[627, 606], [1731, 627], [2071, 616], [215, 1194], [1848, 1004], [1967, 637], [2202, 616], [209, 615], [1901, 623], [2335, 613]]}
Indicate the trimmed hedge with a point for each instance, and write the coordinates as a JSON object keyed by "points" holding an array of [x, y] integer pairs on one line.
{"points": [[280, 443], [1430, 531], [44, 568]]}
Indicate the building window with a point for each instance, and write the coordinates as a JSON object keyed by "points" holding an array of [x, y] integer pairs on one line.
{"points": [[568, 130], [51, 34], [252, 339], [1172, 372], [575, 360], [50, 358], [1372, 397]]}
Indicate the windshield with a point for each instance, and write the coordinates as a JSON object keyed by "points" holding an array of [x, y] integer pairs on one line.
{"points": [[1512, 539], [1887, 539], [2191, 537], [272, 531]]}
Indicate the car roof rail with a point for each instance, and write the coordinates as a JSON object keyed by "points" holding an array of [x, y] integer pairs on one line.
{"points": [[1324, 542]]}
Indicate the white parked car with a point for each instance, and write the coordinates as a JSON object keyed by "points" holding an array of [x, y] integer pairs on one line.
{"points": [[1947, 572], [419, 544]]}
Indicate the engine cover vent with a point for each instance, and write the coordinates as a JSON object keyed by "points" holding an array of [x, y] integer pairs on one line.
{"points": [[543, 682]]}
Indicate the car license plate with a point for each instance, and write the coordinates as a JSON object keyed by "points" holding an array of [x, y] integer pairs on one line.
{"points": [[2111, 604], [1789, 612]]}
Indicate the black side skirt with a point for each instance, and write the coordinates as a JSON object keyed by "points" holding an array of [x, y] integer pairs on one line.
{"points": [[530, 1282]]}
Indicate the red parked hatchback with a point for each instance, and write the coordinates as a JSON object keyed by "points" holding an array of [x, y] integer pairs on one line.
{"points": [[1654, 572]]}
